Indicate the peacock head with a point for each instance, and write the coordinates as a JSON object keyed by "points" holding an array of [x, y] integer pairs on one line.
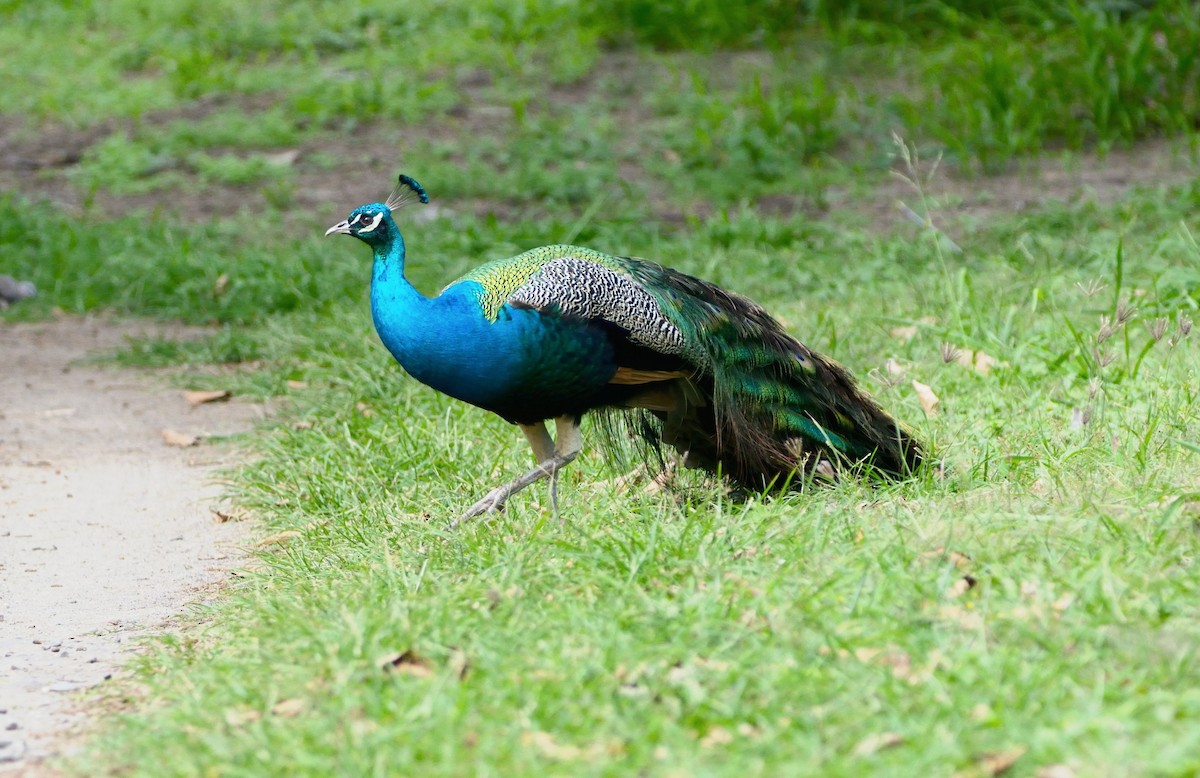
{"points": [[373, 223]]}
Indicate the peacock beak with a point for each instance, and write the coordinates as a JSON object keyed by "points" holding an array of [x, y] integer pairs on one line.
{"points": [[341, 228]]}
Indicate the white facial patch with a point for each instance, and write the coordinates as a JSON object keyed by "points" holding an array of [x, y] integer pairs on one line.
{"points": [[374, 223]]}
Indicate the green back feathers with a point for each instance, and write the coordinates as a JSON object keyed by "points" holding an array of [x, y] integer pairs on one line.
{"points": [[500, 278], [775, 404]]}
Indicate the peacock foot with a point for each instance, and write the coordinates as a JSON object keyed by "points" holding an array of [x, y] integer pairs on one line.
{"points": [[492, 502], [495, 499]]}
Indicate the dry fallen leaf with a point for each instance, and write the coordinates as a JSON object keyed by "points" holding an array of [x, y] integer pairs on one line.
{"points": [[898, 660], [407, 662], [964, 618], [929, 401], [285, 158], [289, 708], [297, 385], [222, 515], [237, 717], [1054, 771], [992, 764], [984, 362], [364, 409], [220, 285], [748, 730], [957, 558], [212, 396], [278, 537], [879, 742], [904, 333], [550, 748], [865, 654], [979, 361], [961, 587], [1000, 762], [1062, 603], [179, 439], [717, 736], [893, 367], [460, 665]]}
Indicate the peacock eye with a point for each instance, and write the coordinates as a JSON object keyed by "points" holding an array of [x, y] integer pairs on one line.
{"points": [[367, 226]]}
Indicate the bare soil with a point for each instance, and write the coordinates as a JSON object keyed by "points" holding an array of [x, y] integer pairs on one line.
{"points": [[39, 163], [106, 532]]}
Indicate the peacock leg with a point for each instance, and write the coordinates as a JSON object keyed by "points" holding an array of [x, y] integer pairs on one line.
{"points": [[539, 440], [556, 456], [568, 443]]}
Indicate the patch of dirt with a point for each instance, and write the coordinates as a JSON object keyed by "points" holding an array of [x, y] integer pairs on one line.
{"points": [[959, 199], [39, 165], [38, 162], [106, 531]]}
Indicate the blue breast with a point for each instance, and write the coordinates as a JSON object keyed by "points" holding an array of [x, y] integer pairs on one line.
{"points": [[523, 366]]}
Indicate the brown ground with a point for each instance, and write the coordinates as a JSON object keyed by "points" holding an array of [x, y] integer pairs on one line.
{"points": [[38, 163], [106, 531]]}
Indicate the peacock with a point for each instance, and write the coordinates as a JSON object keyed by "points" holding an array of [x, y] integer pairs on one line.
{"points": [[560, 331]]}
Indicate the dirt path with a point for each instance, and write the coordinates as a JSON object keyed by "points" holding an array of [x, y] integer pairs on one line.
{"points": [[105, 531]]}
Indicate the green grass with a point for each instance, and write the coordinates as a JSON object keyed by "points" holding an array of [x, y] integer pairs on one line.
{"points": [[684, 633], [1038, 598]]}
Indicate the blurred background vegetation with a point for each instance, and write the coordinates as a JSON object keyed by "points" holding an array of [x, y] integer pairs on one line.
{"points": [[553, 101]]}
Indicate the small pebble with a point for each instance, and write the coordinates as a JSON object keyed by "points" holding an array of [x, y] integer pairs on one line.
{"points": [[11, 750], [12, 725], [12, 290]]}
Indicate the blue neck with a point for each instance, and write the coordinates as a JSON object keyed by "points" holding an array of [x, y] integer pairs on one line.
{"points": [[397, 308], [387, 275]]}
